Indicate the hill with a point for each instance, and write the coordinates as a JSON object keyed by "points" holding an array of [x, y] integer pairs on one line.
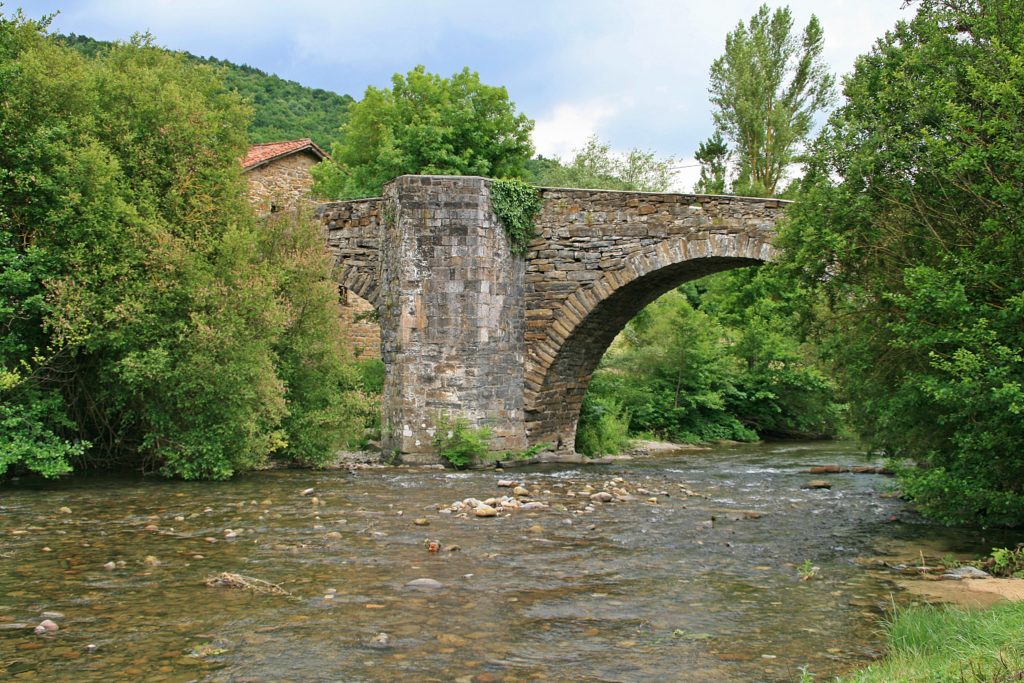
{"points": [[283, 110]]}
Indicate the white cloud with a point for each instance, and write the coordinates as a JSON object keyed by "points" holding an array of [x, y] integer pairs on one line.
{"points": [[568, 126]]}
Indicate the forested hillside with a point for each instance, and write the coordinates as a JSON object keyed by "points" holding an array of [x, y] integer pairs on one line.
{"points": [[283, 110]]}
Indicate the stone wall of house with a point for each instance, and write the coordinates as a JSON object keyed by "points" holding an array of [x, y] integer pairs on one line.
{"points": [[283, 183]]}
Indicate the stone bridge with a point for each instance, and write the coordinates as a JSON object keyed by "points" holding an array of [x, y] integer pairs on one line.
{"points": [[468, 329]]}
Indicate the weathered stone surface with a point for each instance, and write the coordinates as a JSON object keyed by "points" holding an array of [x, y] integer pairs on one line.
{"points": [[468, 329]]}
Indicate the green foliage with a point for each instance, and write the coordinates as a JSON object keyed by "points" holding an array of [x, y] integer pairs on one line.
{"points": [[527, 453], [603, 428], [282, 110], [372, 373], [719, 359], [766, 89], [596, 167], [516, 203], [1004, 562], [910, 225], [713, 157], [459, 443], [426, 124], [148, 320], [948, 644]]}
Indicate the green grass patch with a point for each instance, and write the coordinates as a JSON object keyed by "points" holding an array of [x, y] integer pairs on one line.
{"points": [[951, 644]]}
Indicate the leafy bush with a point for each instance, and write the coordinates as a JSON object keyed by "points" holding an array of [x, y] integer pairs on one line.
{"points": [[910, 225], [459, 443], [146, 318], [603, 427], [516, 203]]}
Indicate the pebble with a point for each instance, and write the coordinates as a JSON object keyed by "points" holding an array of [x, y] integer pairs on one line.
{"points": [[151, 561], [536, 529], [485, 511], [179, 518], [151, 527], [424, 585], [652, 500], [601, 497], [520, 491], [421, 521], [308, 492], [381, 640], [817, 484], [333, 535], [90, 648], [52, 615], [506, 483], [46, 626], [64, 510], [534, 505]]}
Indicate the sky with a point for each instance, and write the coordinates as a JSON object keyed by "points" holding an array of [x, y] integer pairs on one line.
{"points": [[632, 72]]}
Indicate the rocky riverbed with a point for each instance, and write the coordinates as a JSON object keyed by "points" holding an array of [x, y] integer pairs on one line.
{"points": [[676, 566]]}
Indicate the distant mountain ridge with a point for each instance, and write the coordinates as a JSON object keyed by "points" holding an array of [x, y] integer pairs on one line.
{"points": [[283, 110]]}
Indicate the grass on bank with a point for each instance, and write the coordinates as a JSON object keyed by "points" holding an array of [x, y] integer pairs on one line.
{"points": [[943, 644]]}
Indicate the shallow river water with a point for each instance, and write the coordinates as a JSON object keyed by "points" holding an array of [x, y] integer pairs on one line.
{"points": [[632, 591]]}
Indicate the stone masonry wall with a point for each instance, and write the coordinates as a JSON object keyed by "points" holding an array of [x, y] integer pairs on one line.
{"points": [[451, 315], [470, 330], [284, 182], [602, 256], [353, 236]]}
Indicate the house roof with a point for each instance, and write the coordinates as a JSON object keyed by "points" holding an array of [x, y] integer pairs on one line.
{"points": [[264, 153]]}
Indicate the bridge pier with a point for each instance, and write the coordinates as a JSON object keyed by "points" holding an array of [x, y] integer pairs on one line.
{"points": [[451, 313]]}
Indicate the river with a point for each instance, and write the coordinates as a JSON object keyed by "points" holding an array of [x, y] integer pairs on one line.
{"points": [[632, 591]]}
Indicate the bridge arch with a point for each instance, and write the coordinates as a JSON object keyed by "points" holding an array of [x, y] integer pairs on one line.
{"points": [[559, 367]]}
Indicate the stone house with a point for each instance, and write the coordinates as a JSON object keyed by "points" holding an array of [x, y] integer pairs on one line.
{"points": [[279, 178], [278, 172]]}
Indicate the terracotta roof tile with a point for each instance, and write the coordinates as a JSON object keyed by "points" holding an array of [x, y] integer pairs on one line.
{"points": [[266, 152]]}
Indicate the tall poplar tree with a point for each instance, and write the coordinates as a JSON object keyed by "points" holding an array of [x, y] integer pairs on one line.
{"points": [[766, 89]]}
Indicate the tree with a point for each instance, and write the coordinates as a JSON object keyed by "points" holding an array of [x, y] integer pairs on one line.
{"points": [[910, 221], [426, 124], [595, 166], [713, 156], [146, 318], [766, 89]]}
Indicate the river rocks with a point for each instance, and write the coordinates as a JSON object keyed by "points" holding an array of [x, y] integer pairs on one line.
{"points": [[56, 616], [333, 535], [520, 491], [15, 626], [965, 573], [536, 529], [817, 484], [381, 640], [423, 585], [507, 483], [483, 510], [46, 626], [151, 561], [828, 469], [534, 505], [421, 521], [601, 497], [64, 510]]}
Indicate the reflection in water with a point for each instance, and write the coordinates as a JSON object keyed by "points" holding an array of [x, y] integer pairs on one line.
{"points": [[633, 591]]}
